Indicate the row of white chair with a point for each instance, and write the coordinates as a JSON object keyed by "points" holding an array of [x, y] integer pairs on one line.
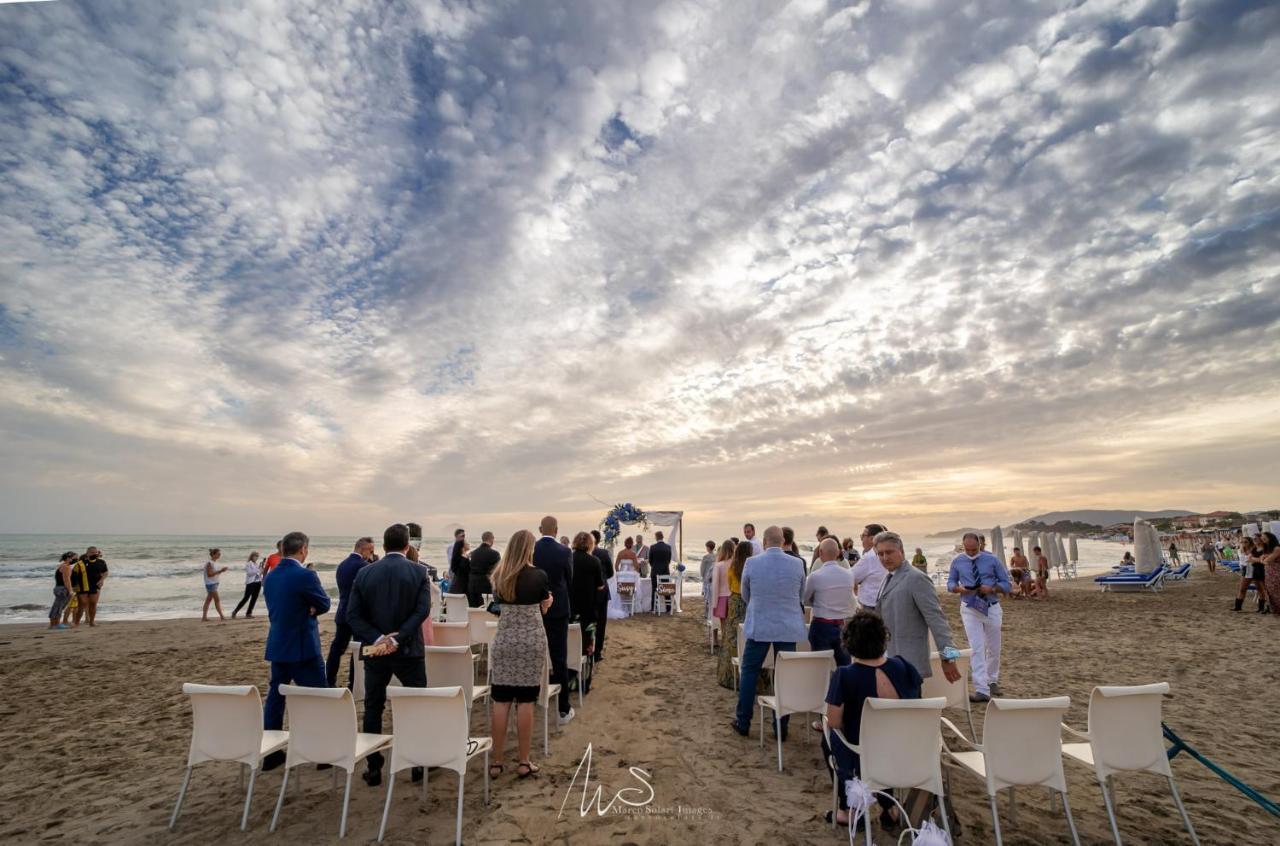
{"points": [[431, 728]]}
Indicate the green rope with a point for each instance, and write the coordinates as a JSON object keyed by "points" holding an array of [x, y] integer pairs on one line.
{"points": [[1180, 745]]}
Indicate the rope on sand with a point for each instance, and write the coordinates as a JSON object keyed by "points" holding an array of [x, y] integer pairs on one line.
{"points": [[1180, 745]]}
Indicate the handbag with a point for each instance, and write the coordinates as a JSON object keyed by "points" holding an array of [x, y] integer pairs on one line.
{"points": [[495, 608]]}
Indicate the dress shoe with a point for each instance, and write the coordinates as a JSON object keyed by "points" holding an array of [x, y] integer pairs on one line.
{"points": [[979, 697], [373, 778], [995, 689], [745, 732]]}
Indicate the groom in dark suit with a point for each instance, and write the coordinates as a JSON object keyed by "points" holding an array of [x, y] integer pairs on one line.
{"points": [[555, 559], [659, 565]]}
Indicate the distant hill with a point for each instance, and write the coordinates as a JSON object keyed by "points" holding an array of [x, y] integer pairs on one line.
{"points": [[1103, 518], [957, 533]]}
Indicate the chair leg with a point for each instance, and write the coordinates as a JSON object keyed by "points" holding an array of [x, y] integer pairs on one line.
{"points": [[182, 793], [1071, 823], [486, 778], [968, 712], [346, 801], [761, 726], [866, 825], [942, 812], [1177, 800], [284, 785], [248, 800], [457, 837], [1111, 814], [386, 807], [777, 733], [995, 819], [546, 742], [426, 779]]}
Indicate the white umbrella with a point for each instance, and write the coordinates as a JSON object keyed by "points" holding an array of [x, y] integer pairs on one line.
{"points": [[1073, 549], [997, 544], [1017, 540], [1145, 550], [1062, 554]]}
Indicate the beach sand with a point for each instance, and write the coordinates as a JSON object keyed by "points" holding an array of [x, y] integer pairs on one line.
{"points": [[96, 731]]}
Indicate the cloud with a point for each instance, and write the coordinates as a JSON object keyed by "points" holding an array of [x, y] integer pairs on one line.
{"points": [[289, 262]]}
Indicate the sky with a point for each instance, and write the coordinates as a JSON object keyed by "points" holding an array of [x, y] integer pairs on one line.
{"points": [[327, 265]]}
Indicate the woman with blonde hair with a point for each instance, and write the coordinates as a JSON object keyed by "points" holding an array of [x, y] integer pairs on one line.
{"points": [[519, 649]]}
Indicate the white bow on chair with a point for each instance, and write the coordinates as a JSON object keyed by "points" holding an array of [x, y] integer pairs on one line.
{"points": [[860, 798]]}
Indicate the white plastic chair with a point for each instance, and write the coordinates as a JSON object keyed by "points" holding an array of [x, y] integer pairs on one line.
{"points": [[322, 730], [455, 608], [663, 604], [432, 729], [481, 627], [901, 748], [575, 660], [627, 582], [547, 696], [451, 666], [226, 725], [1124, 735], [1026, 752], [957, 695], [437, 603], [736, 660], [800, 683]]}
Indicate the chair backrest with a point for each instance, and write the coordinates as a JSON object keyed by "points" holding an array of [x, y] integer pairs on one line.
{"points": [[451, 666], [322, 725], [1124, 728], [476, 619], [801, 680], [226, 723], [574, 650], [1026, 742], [901, 742], [430, 727], [451, 634], [957, 695], [437, 603], [455, 607]]}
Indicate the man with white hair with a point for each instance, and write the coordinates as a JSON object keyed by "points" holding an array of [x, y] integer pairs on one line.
{"points": [[910, 609], [869, 574], [772, 587], [829, 592], [980, 579]]}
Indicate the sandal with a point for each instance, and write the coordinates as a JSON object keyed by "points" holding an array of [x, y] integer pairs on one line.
{"points": [[500, 769], [527, 768]]}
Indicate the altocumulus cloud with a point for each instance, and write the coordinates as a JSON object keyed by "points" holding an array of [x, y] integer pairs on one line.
{"points": [[274, 262]]}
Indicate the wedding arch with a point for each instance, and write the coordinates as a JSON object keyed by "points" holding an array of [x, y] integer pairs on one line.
{"points": [[626, 514]]}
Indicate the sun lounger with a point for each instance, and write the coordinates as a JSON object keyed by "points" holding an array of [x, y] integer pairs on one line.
{"points": [[1152, 581], [1180, 574]]}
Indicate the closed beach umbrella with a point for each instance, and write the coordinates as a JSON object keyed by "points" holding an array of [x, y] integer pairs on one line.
{"points": [[1017, 540], [1062, 553], [1050, 548], [997, 544], [1145, 553], [1074, 550]]}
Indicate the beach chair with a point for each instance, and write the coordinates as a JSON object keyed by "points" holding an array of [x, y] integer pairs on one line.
{"points": [[1134, 582], [455, 608], [900, 748], [1124, 735], [226, 725], [1178, 575], [1026, 752], [322, 730], [451, 666], [482, 626], [547, 693], [431, 728], [800, 682], [574, 659], [957, 695]]}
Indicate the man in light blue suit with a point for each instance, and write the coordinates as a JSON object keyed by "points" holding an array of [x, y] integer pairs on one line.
{"points": [[772, 586]]}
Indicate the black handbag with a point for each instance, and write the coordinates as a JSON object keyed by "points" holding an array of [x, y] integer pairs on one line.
{"points": [[495, 608]]}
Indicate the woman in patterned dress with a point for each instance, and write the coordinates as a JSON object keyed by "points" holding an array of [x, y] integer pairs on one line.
{"points": [[519, 650]]}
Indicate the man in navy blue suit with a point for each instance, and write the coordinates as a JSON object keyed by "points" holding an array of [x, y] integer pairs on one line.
{"points": [[294, 599], [555, 559], [346, 576], [659, 565]]}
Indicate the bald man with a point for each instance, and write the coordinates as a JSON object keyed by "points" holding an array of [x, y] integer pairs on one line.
{"points": [[829, 592]]}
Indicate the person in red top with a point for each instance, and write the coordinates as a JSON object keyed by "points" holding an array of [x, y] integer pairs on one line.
{"points": [[272, 560]]}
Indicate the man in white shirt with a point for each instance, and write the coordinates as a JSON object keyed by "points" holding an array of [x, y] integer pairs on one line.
{"points": [[829, 592], [869, 573], [749, 532]]}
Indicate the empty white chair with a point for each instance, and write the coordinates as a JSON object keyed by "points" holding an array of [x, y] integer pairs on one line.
{"points": [[455, 608], [437, 603], [665, 595], [901, 747], [322, 730], [451, 666], [547, 695], [226, 725], [1026, 751], [957, 695], [431, 728], [627, 582], [800, 683], [713, 628], [574, 659], [1124, 735], [482, 626], [451, 634]]}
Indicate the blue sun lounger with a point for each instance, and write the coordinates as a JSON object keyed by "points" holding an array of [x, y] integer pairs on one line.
{"points": [[1152, 581]]}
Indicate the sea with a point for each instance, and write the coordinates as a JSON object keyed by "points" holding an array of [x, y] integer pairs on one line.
{"points": [[161, 576]]}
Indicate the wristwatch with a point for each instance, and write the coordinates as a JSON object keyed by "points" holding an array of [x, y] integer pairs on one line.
{"points": [[950, 653]]}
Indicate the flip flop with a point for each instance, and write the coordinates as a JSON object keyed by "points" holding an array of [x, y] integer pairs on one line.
{"points": [[500, 770], [529, 769]]}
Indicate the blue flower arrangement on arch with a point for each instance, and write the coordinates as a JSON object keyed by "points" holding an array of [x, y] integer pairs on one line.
{"points": [[623, 512]]}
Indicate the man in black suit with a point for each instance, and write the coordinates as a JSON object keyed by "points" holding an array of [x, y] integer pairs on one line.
{"points": [[602, 609], [555, 559], [483, 560], [388, 604], [659, 565]]}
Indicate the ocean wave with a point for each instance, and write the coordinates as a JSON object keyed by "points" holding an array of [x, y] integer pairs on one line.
{"points": [[26, 606]]}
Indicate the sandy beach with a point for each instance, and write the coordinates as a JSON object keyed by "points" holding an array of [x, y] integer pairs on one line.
{"points": [[96, 731]]}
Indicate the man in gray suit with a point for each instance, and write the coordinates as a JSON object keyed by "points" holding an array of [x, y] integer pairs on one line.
{"points": [[772, 586], [910, 608]]}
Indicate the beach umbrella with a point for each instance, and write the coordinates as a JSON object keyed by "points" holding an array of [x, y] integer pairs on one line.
{"points": [[1062, 553], [1017, 540], [1073, 549], [1145, 550], [997, 544]]}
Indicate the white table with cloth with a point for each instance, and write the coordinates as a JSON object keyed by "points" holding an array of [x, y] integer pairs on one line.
{"points": [[643, 596]]}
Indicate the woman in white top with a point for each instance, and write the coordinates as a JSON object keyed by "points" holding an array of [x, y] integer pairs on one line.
{"points": [[252, 585], [211, 574]]}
